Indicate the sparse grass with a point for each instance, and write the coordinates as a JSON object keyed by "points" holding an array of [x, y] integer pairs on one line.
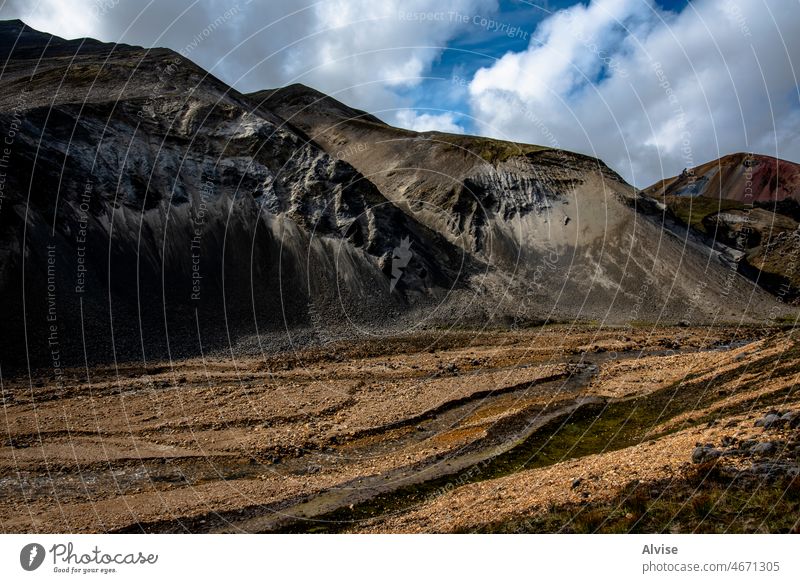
{"points": [[692, 210], [643, 324], [785, 320], [705, 501], [492, 151], [83, 73]]}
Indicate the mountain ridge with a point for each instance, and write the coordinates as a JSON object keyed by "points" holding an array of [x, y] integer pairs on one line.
{"points": [[150, 178]]}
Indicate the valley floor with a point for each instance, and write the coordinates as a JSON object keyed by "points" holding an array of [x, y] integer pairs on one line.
{"points": [[552, 429]]}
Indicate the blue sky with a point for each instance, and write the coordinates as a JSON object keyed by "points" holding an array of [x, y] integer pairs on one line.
{"points": [[477, 47]]}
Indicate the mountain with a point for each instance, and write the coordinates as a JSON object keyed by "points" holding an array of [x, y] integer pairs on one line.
{"points": [[742, 177], [747, 206], [516, 206], [150, 198], [149, 210]]}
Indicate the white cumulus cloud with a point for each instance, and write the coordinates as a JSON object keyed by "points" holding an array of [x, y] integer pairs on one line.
{"points": [[428, 122], [650, 91], [647, 90]]}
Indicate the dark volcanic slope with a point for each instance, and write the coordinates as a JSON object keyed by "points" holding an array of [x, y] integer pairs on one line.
{"points": [[148, 209], [749, 206], [139, 187]]}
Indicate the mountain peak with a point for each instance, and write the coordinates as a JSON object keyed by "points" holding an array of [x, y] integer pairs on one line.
{"points": [[307, 100], [28, 43]]}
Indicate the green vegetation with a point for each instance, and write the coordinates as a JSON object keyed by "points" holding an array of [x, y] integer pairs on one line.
{"points": [[492, 151], [692, 210], [708, 501], [592, 428]]}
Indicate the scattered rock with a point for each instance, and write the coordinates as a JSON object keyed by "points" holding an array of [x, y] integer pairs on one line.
{"points": [[763, 448], [705, 453], [747, 444], [450, 367], [775, 468], [791, 418], [768, 421]]}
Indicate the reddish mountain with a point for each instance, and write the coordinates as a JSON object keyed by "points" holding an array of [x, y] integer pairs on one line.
{"points": [[742, 177], [748, 206]]}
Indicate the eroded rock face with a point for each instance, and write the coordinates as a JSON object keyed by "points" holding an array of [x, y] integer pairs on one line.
{"points": [[466, 187], [163, 197], [149, 210], [562, 229]]}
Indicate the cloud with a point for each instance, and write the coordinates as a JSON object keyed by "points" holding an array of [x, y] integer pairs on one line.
{"points": [[647, 90], [426, 122], [650, 91], [371, 53]]}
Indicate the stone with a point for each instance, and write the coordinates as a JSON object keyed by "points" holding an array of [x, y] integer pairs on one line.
{"points": [[773, 469], [768, 421], [704, 453], [763, 448]]}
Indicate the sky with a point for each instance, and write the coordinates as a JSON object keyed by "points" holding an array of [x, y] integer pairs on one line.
{"points": [[649, 86]]}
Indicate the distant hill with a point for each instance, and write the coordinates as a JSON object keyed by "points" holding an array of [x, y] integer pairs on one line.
{"points": [[749, 203], [741, 177]]}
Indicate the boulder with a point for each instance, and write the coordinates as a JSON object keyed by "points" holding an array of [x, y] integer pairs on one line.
{"points": [[768, 421], [763, 448], [704, 453]]}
